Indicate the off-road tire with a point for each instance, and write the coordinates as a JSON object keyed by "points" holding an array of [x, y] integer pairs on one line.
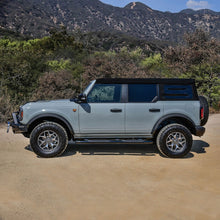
{"points": [[55, 128], [205, 105], [168, 130]]}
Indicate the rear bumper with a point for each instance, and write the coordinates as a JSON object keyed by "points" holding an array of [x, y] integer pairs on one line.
{"points": [[17, 127], [199, 131]]}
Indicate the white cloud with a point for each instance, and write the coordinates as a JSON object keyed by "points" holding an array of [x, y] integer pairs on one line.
{"points": [[196, 5]]}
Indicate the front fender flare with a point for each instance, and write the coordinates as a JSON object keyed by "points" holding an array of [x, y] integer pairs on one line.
{"points": [[52, 115]]}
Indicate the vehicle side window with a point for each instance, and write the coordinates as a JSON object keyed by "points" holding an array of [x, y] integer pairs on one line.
{"points": [[177, 92], [102, 93], [141, 92]]}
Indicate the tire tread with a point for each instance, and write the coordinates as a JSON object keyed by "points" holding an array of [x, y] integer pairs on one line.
{"points": [[41, 126], [163, 132]]}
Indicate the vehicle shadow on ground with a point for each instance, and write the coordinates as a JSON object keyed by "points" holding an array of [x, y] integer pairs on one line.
{"points": [[124, 149], [199, 146], [112, 149]]}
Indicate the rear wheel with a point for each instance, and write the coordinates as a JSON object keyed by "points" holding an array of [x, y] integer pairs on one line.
{"points": [[48, 139], [174, 141]]}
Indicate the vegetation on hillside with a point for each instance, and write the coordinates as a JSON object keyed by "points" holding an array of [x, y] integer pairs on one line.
{"points": [[60, 65], [35, 18]]}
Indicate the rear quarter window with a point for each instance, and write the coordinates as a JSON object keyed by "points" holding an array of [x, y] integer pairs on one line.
{"points": [[177, 92], [141, 92]]}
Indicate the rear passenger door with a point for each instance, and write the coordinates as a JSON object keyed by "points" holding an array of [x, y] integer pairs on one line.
{"points": [[142, 108]]}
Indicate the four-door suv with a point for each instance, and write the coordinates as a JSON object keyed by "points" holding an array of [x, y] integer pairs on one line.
{"points": [[165, 111]]}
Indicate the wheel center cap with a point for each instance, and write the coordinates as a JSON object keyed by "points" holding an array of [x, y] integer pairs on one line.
{"points": [[48, 140], [176, 142]]}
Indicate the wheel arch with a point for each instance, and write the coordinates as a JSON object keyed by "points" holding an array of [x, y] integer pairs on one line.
{"points": [[51, 117], [173, 118]]}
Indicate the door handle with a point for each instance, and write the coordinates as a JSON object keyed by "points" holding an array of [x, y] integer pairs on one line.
{"points": [[116, 110], [154, 110]]}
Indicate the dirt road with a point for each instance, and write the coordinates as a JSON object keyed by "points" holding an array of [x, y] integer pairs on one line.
{"points": [[111, 181]]}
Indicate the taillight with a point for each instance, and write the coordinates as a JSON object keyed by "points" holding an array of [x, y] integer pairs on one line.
{"points": [[20, 114], [201, 113]]}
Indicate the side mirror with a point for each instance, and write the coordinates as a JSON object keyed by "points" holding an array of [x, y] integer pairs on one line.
{"points": [[82, 97]]}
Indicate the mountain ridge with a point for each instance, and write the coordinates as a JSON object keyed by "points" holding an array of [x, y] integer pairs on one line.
{"points": [[36, 18]]}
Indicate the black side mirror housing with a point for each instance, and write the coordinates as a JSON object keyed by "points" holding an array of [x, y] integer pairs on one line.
{"points": [[82, 98]]}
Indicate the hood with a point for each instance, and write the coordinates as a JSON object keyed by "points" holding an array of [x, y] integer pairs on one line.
{"points": [[47, 103], [54, 101]]}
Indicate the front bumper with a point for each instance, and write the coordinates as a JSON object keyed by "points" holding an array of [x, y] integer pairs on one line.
{"points": [[17, 127], [199, 131]]}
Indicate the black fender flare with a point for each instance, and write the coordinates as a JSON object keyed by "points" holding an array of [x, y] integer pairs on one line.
{"points": [[173, 115], [52, 115]]}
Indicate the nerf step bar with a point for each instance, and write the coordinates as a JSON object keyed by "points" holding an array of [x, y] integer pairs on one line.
{"points": [[113, 141]]}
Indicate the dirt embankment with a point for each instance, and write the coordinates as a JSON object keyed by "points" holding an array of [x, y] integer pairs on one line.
{"points": [[110, 181]]}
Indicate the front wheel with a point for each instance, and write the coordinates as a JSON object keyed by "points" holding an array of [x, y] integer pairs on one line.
{"points": [[48, 139], [174, 141]]}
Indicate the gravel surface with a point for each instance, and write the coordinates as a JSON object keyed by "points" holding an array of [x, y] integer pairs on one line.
{"points": [[110, 181]]}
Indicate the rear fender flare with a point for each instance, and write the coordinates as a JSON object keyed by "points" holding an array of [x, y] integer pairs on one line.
{"points": [[164, 118]]}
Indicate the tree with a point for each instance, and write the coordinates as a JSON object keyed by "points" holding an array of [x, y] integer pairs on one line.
{"points": [[154, 65], [199, 59], [111, 65]]}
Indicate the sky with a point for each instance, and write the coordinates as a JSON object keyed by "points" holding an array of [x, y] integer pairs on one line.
{"points": [[171, 5]]}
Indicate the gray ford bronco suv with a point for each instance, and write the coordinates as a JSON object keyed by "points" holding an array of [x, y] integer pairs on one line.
{"points": [[162, 111]]}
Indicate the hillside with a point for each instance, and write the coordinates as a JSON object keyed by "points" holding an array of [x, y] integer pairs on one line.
{"points": [[36, 18]]}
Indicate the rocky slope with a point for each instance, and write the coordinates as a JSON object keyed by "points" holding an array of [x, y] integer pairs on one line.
{"points": [[37, 17]]}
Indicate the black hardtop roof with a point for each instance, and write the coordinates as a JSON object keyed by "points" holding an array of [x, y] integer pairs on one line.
{"points": [[144, 81]]}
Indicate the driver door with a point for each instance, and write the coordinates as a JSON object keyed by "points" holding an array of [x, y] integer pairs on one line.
{"points": [[103, 113]]}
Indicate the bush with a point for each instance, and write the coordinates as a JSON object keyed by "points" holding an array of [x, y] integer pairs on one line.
{"points": [[56, 85], [7, 106]]}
